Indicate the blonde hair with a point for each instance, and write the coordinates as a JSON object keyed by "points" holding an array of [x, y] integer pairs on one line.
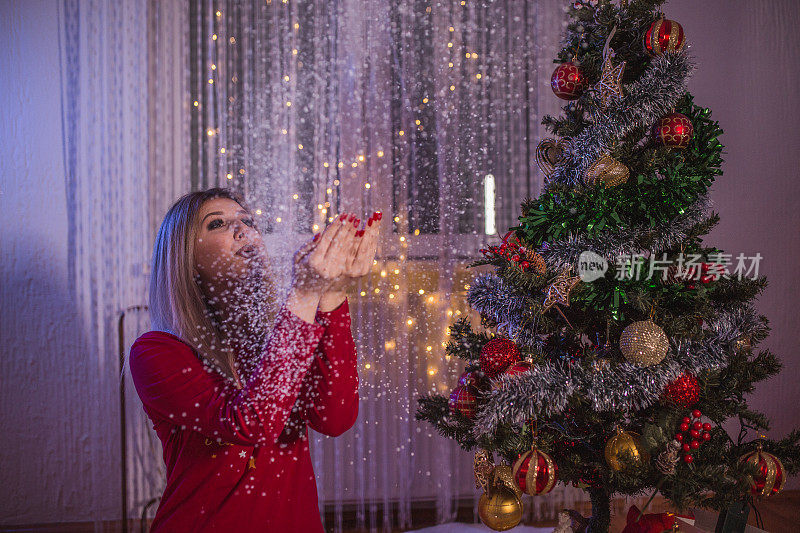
{"points": [[177, 304]]}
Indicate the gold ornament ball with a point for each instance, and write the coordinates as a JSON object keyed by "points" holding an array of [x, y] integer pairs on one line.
{"points": [[644, 343], [608, 171], [625, 450], [500, 508]]}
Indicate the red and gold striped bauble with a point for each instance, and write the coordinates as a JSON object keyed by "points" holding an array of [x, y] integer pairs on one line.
{"points": [[663, 35], [464, 400], [771, 475], [535, 472], [497, 355], [568, 81], [674, 131]]}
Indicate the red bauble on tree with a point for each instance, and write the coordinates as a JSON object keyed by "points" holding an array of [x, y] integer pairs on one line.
{"points": [[770, 475], [464, 400], [683, 392], [535, 472], [518, 368], [473, 379], [674, 131], [663, 35], [497, 355], [568, 81]]}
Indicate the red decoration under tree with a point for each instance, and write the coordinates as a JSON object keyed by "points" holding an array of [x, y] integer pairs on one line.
{"points": [[683, 392], [568, 81], [497, 355]]}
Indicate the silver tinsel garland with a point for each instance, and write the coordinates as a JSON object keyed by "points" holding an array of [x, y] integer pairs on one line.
{"points": [[506, 305], [646, 100], [617, 386]]}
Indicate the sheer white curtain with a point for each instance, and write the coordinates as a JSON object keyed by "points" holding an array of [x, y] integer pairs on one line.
{"points": [[318, 107]]}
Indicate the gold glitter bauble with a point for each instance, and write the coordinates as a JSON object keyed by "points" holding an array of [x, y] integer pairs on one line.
{"points": [[624, 450], [644, 343], [500, 508], [503, 475], [608, 171]]}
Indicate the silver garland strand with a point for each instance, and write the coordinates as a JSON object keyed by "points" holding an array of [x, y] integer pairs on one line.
{"points": [[545, 390], [646, 100]]}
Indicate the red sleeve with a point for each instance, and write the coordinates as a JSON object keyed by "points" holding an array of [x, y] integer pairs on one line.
{"points": [[331, 385], [174, 385]]}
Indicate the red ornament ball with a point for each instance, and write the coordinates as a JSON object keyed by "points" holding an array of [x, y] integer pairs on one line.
{"points": [[696, 413], [535, 472], [683, 392], [674, 131], [697, 425], [686, 446], [497, 355], [464, 400], [663, 35], [706, 436], [688, 458], [684, 427], [473, 379], [686, 420], [695, 434], [679, 437], [770, 475], [518, 368], [695, 444], [568, 81]]}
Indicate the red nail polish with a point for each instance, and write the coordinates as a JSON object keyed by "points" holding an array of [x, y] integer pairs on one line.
{"points": [[359, 233], [316, 236], [342, 216], [370, 222], [356, 222]]}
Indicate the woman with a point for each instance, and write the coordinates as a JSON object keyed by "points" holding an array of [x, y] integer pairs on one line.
{"points": [[229, 381]]}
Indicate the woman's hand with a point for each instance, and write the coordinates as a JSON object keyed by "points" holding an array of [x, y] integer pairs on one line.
{"points": [[358, 263], [322, 260], [316, 264]]}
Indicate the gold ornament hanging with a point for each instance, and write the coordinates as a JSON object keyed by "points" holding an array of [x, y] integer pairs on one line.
{"points": [[624, 451], [550, 152], [500, 508], [644, 343], [606, 170], [503, 475], [483, 466], [610, 84], [558, 291]]}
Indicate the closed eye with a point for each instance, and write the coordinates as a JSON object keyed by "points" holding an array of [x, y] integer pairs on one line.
{"points": [[214, 223]]}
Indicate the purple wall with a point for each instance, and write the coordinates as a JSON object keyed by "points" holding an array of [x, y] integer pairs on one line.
{"points": [[747, 73]]}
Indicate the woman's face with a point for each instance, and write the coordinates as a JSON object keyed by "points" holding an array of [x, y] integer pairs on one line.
{"points": [[227, 244]]}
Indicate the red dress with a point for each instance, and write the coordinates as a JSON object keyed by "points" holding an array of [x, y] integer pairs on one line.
{"points": [[237, 460]]}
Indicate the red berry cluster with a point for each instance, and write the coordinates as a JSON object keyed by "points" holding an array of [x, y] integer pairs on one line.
{"points": [[511, 251], [692, 428]]}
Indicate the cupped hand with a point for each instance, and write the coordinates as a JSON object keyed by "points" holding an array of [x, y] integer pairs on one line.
{"points": [[322, 260], [362, 255]]}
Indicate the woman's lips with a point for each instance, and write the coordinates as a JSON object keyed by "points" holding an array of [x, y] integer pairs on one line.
{"points": [[248, 250]]}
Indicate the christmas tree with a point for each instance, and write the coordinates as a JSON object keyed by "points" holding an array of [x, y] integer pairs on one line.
{"points": [[614, 342]]}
